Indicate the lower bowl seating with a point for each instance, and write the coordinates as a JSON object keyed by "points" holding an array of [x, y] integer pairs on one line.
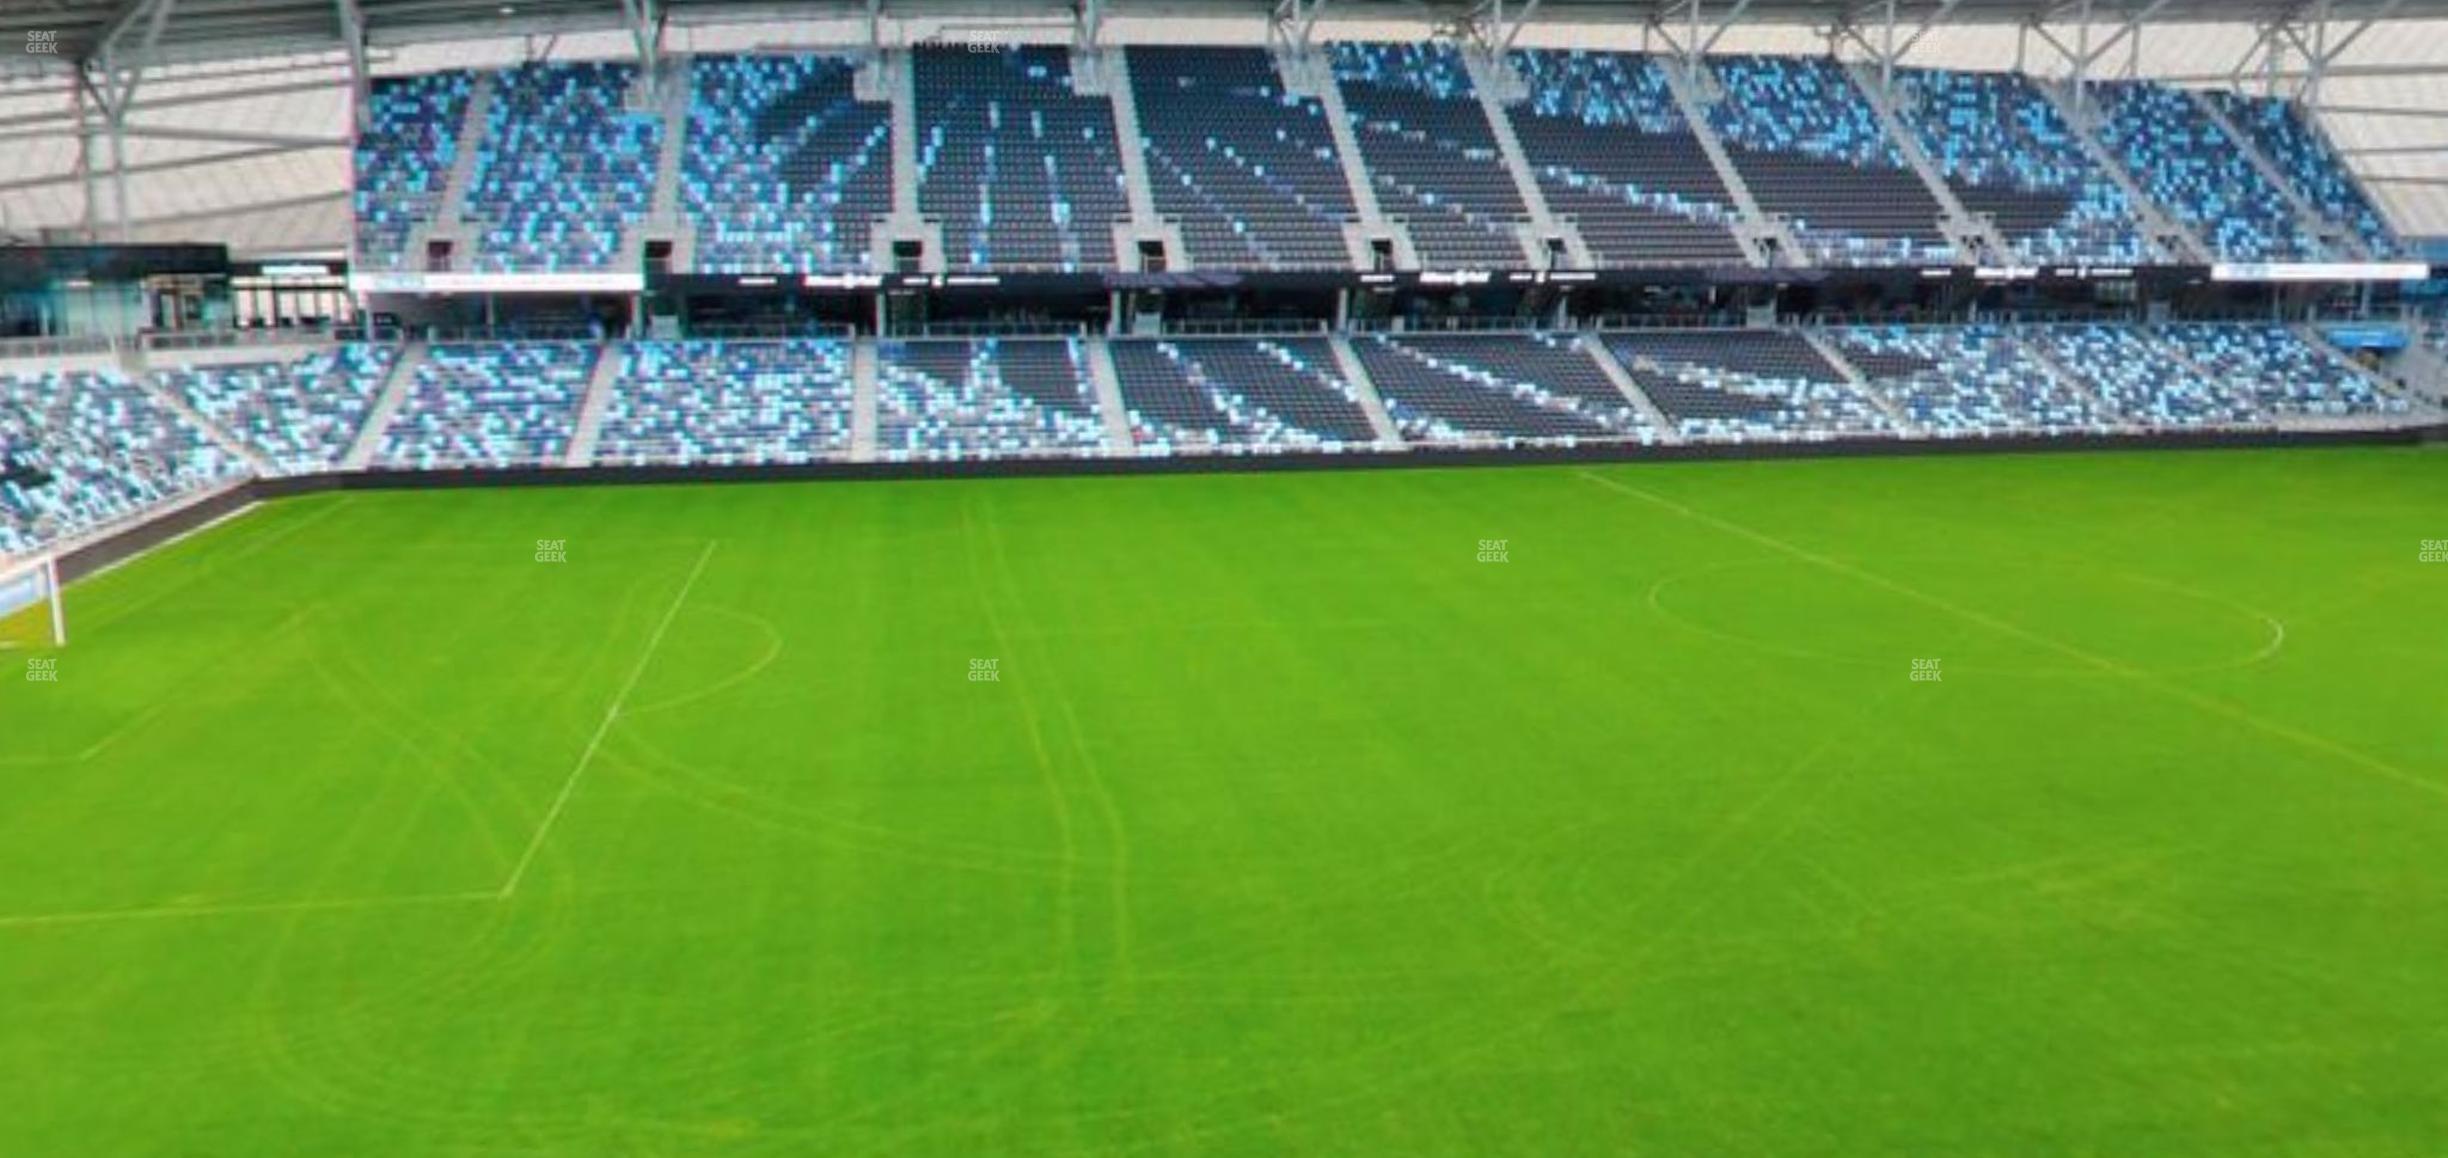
{"points": [[490, 405], [1970, 382], [301, 416], [87, 449], [727, 403], [992, 398], [1236, 394], [1745, 386], [1509, 389]]}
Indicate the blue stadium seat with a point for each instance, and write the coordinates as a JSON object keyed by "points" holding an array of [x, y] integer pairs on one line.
{"points": [[1430, 151], [1237, 394], [1969, 382], [2303, 154], [1510, 389], [111, 453], [2007, 153], [1614, 156], [1248, 170], [563, 169], [302, 415], [993, 398], [728, 402], [1745, 386], [1021, 170], [490, 405], [403, 160], [2187, 164], [1812, 149], [785, 170]]}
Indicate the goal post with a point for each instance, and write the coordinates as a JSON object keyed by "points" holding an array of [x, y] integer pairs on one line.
{"points": [[32, 614]]}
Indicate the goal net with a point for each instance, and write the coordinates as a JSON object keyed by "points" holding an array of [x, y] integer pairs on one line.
{"points": [[31, 613]]}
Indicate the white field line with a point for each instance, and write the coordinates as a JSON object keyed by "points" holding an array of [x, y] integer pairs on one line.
{"points": [[2218, 707], [595, 743], [346, 904]]}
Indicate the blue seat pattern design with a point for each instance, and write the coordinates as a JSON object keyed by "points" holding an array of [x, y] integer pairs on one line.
{"points": [[564, 168], [1020, 169], [1249, 170], [785, 170], [1207, 394], [301, 415], [991, 398]]}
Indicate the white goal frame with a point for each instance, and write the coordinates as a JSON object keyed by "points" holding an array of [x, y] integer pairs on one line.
{"points": [[38, 578]]}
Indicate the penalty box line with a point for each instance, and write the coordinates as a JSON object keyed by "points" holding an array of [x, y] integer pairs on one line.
{"points": [[569, 785], [509, 888]]}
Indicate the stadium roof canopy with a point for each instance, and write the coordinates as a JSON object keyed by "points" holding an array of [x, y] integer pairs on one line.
{"points": [[197, 30]]}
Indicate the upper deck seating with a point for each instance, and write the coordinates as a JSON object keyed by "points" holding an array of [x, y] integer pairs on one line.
{"points": [[2303, 154], [1614, 155], [1249, 170], [2007, 153], [563, 169], [785, 170], [1021, 170], [1428, 147], [1810, 146], [403, 160], [2187, 164]]}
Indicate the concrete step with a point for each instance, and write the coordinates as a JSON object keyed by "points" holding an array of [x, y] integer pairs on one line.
{"points": [[1347, 362], [1613, 368], [1318, 76], [1115, 63], [1861, 382], [1758, 228], [1492, 80], [471, 140], [1959, 223], [386, 406], [863, 400], [2307, 216], [2158, 225], [1108, 384], [600, 385]]}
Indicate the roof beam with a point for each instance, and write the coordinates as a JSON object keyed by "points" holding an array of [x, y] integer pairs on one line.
{"points": [[165, 166]]}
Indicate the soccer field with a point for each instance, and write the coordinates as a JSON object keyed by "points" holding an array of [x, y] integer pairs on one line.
{"points": [[1293, 819]]}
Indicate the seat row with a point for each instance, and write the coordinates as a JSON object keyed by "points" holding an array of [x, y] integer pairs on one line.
{"points": [[783, 168], [85, 448]]}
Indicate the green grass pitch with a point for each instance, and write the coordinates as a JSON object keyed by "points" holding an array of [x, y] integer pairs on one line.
{"points": [[1287, 826]]}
